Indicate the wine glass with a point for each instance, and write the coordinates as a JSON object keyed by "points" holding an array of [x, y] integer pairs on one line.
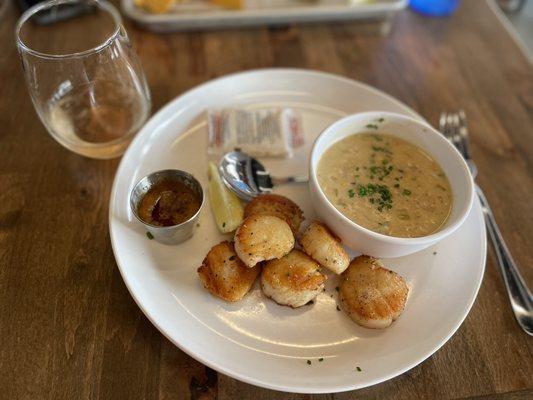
{"points": [[84, 78]]}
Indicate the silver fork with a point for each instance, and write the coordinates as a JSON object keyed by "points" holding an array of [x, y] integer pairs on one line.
{"points": [[453, 127]]}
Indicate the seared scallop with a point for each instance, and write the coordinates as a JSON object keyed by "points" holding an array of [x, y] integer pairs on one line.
{"points": [[293, 280], [371, 295], [263, 237], [323, 246], [224, 275], [278, 206]]}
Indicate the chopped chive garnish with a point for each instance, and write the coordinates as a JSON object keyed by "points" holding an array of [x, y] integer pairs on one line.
{"points": [[308, 362], [321, 359], [358, 369], [149, 235], [382, 149]]}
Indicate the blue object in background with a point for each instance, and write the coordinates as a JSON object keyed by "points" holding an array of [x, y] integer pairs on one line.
{"points": [[438, 8]]}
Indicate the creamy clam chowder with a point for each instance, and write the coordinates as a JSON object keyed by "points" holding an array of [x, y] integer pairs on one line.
{"points": [[386, 184]]}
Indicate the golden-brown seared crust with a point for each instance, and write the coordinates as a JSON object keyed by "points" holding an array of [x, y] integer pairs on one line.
{"points": [[295, 271], [292, 280], [325, 247], [263, 237], [279, 206], [225, 275], [371, 295]]}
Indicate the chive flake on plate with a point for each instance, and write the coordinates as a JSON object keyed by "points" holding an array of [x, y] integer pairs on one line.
{"points": [[308, 362], [358, 369], [321, 359], [149, 235]]}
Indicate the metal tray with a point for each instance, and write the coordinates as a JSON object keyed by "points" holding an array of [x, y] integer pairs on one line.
{"points": [[201, 15]]}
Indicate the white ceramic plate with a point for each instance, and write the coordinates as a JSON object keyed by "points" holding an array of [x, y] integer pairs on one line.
{"points": [[255, 340]]}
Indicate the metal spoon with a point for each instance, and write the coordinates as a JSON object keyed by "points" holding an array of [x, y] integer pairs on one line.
{"points": [[248, 178]]}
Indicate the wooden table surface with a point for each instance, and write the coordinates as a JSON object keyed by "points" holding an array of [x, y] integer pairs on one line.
{"points": [[69, 328]]}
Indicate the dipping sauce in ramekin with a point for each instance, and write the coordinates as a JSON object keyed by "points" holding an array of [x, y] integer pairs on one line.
{"points": [[168, 204]]}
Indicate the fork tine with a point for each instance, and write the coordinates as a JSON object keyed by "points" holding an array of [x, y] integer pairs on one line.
{"points": [[453, 127], [463, 133], [457, 141], [446, 127], [450, 130], [442, 123]]}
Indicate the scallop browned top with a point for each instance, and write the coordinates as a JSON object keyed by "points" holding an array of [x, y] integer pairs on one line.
{"points": [[296, 271], [263, 237], [278, 206], [225, 275], [372, 295]]}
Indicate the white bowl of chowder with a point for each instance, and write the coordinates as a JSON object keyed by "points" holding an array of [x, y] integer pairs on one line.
{"points": [[388, 185]]}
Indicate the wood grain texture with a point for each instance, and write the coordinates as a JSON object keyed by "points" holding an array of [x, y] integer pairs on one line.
{"points": [[69, 328]]}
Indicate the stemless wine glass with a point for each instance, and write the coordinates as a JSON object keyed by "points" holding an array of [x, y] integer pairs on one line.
{"points": [[84, 78]]}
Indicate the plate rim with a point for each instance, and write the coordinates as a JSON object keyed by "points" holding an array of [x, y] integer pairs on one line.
{"points": [[220, 367]]}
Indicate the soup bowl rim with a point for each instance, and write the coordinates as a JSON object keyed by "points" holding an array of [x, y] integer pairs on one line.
{"points": [[443, 145]]}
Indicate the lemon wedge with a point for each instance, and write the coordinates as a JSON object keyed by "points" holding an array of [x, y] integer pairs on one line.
{"points": [[227, 208]]}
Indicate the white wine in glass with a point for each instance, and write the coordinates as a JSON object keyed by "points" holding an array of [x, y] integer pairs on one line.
{"points": [[84, 78]]}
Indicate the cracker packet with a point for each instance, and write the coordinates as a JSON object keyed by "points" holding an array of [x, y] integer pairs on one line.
{"points": [[266, 132]]}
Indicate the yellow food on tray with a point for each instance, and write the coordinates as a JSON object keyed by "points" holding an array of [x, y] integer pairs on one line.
{"points": [[235, 4], [155, 6], [163, 6]]}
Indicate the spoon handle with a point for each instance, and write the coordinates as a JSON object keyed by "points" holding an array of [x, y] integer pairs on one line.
{"points": [[276, 180]]}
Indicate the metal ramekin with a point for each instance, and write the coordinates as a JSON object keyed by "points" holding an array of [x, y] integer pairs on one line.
{"points": [[167, 234]]}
